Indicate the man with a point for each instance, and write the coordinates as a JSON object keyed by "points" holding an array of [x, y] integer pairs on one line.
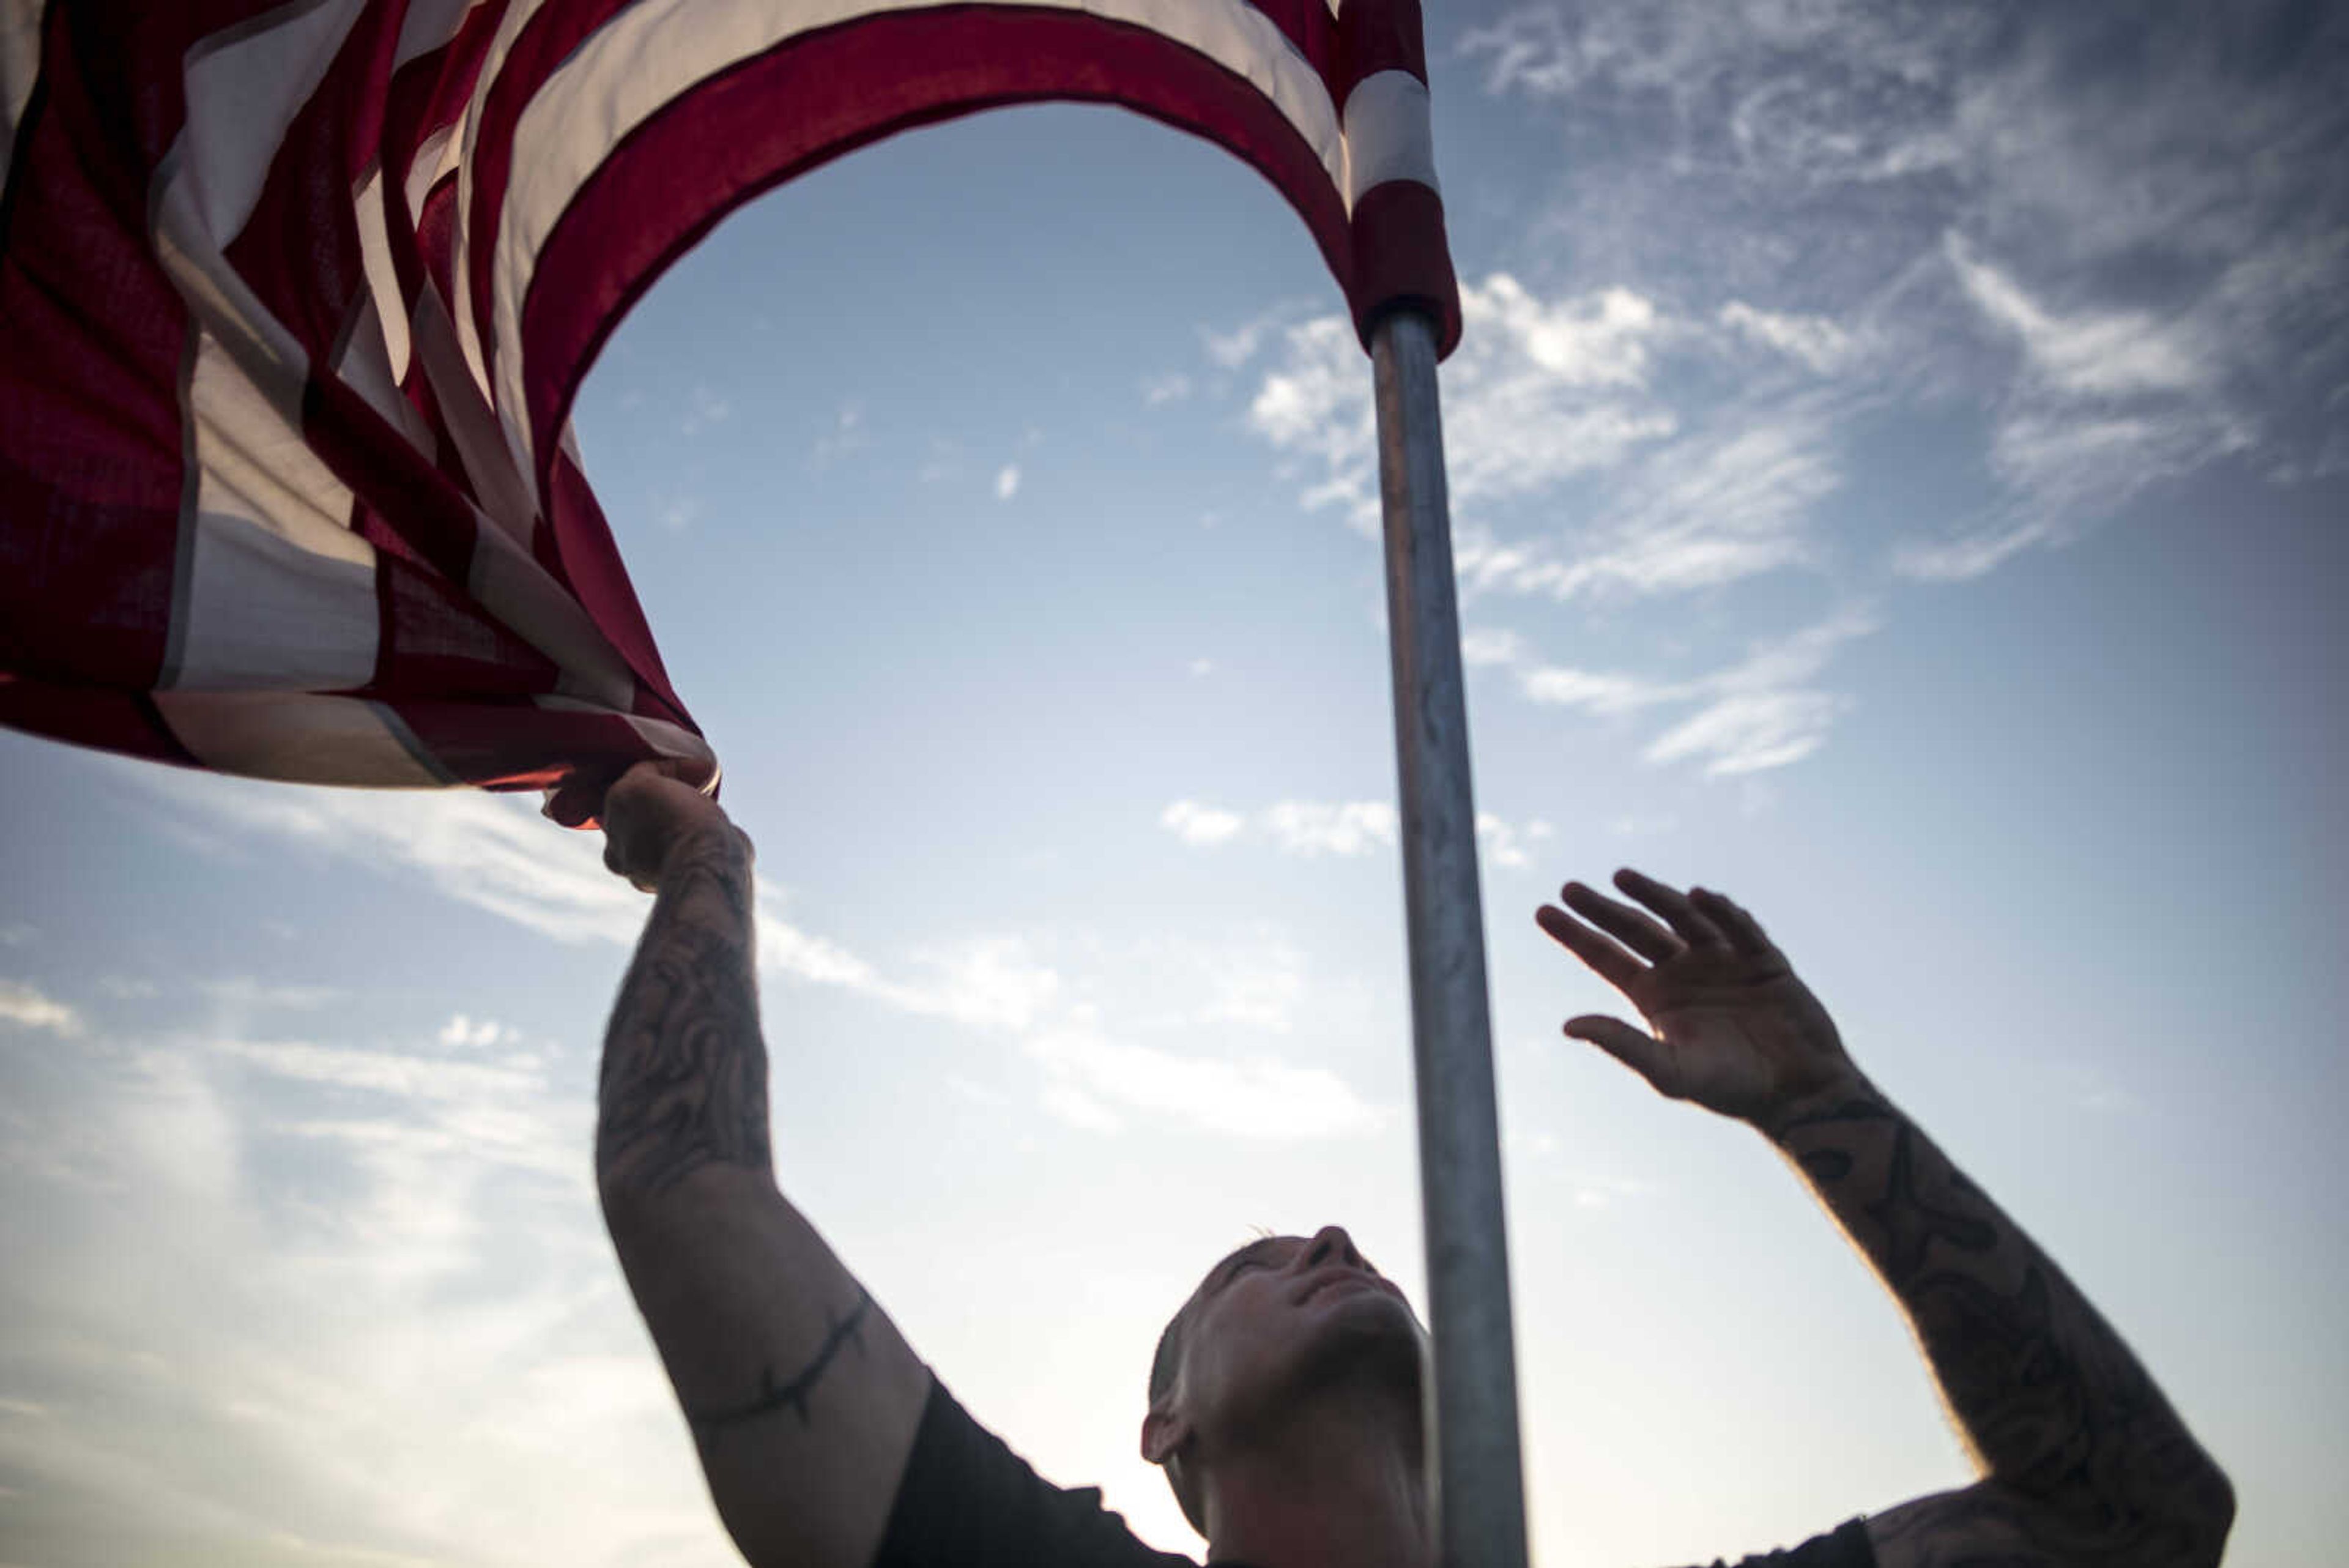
{"points": [[1284, 1396]]}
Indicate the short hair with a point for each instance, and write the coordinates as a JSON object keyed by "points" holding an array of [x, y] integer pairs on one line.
{"points": [[1167, 1360]]}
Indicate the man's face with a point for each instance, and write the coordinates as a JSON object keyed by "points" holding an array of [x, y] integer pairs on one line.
{"points": [[1284, 1317]]}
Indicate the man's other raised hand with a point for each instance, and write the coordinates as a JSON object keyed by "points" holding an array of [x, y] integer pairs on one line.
{"points": [[1734, 1030]]}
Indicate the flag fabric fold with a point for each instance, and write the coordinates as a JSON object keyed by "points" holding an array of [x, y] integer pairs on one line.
{"points": [[295, 299]]}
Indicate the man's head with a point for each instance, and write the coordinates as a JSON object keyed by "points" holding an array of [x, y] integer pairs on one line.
{"points": [[1272, 1326]]}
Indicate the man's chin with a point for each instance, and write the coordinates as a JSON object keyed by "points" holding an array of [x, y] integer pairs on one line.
{"points": [[1366, 1333]]}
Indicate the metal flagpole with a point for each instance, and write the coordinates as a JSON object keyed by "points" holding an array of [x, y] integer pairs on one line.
{"points": [[1478, 1480]]}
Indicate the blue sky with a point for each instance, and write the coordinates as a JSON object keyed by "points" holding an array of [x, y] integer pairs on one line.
{"points": [[1899, 464]]}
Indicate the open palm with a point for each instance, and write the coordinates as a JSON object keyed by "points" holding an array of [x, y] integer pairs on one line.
{"points": [[1734, 1030]]}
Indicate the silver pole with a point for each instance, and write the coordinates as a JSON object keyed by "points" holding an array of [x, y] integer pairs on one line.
{"points": [[1478, 1480]]}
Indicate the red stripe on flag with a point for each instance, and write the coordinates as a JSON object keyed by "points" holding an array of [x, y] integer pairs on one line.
{"points": [[111, 720], [711, 150], [1399, 246], [590, 563]]}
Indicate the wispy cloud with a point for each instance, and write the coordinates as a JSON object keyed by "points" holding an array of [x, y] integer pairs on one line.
{"points": [[1945, 203], [2092, 352], [1508, 845], [1763, 710], [1343, 829], [464, 1034], [244, 990], [1540, 389], [336, 1228], [29, 1008], [1007, 482], [1818, 342], [1094, 1078], [1194, 822], [498, 856], [1310, 827], [704, 408], [1161, 390], [846, 436]]}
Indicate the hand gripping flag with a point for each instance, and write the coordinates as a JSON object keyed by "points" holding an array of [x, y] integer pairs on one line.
{"points": [[295, 299]]}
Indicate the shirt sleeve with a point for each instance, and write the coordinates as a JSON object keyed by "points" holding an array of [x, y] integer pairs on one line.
{"points": [[1846, 1547], [966, 1500]]}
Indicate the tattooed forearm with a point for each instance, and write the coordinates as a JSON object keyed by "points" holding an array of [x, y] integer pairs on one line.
{"points": [[685, 1071], [791, 1395], [2065, 1421]]}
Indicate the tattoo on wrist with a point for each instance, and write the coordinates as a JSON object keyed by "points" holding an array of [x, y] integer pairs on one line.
{"points": [[791, 1395], [685, 1071]]}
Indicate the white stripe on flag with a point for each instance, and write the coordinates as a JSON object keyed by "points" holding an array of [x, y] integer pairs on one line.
{"points": [[244, 86], [278, 593], [436, 156], [383, 279], [20, 68], [298, 738], [1388, 134], [512, 586], [429, 25], [365, 367], [654, 52]]}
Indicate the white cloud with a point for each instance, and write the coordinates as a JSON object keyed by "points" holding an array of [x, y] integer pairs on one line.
{"points": [[2090, 352], [1007, 482], [1483, 646], [1199, 667], [1195, 823], [464, 1034], [1310, 827], [1731, 499], [1904, 185], [1505, 844], [1160, 390], [1063, 1101], [1230, 350], [986, 983], [1254, 1097], [1600, 692], [1761, 711], [1747, 732], [1539, 391], [704, 408], [356, 1247], [26, 1005], [846, 437], [1814, 341], [1343, 828], [242, 991]]}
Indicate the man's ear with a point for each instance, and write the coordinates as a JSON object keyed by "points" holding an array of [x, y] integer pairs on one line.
{"points": [[1164, 1431]]}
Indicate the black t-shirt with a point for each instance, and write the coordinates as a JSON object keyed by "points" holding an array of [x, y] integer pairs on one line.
{"points": [[968, 1501]]}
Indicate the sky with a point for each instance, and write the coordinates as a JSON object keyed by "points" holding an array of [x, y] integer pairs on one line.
{"points": [[1899, 458]]}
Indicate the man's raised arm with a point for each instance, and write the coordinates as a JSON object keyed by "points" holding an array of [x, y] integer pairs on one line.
{"points": [[802, 1396], [2082, 1459]]}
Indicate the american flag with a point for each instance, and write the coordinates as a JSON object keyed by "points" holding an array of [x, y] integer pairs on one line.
{"points": [[295, 299]]}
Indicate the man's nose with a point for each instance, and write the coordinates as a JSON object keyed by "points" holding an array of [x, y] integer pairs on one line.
{"points": [[1332, 1242]]}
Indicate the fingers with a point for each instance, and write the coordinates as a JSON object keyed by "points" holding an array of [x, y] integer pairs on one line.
{"points": [[1635, 1048], [578, 800], [1634, 927], [1608, 962], [1743, 932], [1687, 923]]}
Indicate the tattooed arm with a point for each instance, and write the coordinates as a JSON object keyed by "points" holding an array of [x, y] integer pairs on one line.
{"points": [[802, 1397], [2083, 1461]]}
